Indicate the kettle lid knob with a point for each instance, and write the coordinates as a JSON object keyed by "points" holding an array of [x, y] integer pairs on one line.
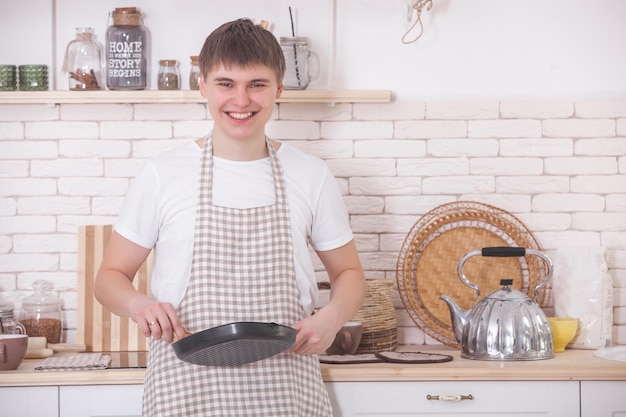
{"points": [[506, 282]]}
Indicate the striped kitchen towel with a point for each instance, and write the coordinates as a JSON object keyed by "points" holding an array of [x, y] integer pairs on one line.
{"points": [[78, 362]]}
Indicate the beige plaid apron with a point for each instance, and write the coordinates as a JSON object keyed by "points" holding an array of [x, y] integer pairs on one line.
{"points": [[242, 271]]}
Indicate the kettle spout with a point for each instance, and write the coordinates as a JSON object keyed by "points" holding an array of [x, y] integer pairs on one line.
{"points": [[458, 316]]}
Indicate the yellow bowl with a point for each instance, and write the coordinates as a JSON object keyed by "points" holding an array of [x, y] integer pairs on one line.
{"points": [[564, 329]]}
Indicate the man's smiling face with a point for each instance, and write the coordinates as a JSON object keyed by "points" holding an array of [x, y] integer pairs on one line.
{"points": [[241, 99]]}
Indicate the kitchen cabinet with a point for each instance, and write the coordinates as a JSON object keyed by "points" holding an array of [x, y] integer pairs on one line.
{"points": [[29, 401], [475, 398], [350, 399], [72, 401], [603, 398], [355, 399], [573, 384], [100, 400]]}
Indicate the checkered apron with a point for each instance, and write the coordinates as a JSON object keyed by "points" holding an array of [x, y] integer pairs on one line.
{"points": [[242, 271]]}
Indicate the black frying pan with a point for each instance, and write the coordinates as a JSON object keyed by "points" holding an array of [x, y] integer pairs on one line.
{"points": [[235, 344]]}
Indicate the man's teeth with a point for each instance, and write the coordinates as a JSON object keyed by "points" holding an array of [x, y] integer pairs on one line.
{"points": [[240, 116]]}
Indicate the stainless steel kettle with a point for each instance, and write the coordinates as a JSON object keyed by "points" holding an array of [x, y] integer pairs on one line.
{"points": [[506, 324]]}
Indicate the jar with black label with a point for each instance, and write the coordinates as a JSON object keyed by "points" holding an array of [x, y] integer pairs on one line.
{"points": [[126, 50], [169, 75]]}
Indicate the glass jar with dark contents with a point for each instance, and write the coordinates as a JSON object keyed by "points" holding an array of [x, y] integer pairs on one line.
{"points": [[194, 74], [126, 50], [169, 75], [41, 313]]}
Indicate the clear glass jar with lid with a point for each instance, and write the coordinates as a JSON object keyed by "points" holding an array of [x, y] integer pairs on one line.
{"points": [[41, 313], [194, 74], [83, 61], [169, 75], [8, 324]]}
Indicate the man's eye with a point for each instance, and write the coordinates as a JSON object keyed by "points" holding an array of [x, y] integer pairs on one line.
{"points": [[257, 85]]}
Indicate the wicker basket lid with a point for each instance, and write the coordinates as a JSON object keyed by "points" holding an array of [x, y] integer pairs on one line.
{"points": [[427, 263]]}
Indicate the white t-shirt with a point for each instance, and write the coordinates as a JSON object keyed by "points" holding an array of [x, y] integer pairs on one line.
{"points": [[160, 208]]}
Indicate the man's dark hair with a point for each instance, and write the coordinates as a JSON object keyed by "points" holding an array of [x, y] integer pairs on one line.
{"points": [[242, 43]]}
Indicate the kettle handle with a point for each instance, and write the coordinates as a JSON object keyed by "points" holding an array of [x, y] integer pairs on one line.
{"points": [[504, 252]]}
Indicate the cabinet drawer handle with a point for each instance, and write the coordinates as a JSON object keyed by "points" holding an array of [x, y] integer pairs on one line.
{"points": [[450, 398]]}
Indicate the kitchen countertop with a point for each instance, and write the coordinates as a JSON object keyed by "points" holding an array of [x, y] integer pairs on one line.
{"points": [[571, 365]]}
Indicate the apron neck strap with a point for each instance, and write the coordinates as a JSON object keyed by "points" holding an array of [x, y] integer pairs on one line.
{"points": [[206, 174]]}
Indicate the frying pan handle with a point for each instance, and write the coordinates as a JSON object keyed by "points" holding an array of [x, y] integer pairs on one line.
{"points": [[504, 252]]}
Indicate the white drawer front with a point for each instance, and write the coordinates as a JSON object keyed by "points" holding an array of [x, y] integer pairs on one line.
{"points": [[507, 398], [603, 398], [29, 401], [101, 401]]}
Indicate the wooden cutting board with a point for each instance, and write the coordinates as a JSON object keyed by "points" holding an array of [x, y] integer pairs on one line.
{"points": [[99, 329]]}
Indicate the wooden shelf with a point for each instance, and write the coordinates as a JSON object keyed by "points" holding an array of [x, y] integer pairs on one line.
{"points": [[184, 96]]}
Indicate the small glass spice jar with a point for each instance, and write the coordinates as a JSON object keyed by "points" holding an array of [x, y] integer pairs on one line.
{"points": [[169, 75], [194, 74], [41, 313], [83, 61]]}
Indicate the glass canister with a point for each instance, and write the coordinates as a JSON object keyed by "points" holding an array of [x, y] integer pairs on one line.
{"points": [[169, 75], [33, 77], [194, 74], [83, 61], [126, 50], [41, 313], [8, 324], [296, 51], [8, 77]]}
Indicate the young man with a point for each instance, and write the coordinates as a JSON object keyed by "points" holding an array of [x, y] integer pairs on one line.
{"points": [[229, 218]]}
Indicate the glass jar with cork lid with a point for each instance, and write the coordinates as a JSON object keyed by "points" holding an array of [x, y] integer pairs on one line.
{"points": [[126, 50], [169, 75], [41, 313], [194, 73]]}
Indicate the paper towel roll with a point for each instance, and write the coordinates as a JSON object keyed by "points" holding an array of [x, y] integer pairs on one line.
{"points": [[582, 288]]}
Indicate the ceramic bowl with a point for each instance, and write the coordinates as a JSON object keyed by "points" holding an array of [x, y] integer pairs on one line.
{"points": [[347, 339], [12, 350], [564, 329]]}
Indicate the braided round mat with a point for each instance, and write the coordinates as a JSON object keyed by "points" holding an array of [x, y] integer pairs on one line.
{"points": [[427, 264]]}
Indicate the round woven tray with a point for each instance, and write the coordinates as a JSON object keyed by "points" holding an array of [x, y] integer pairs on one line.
{"points": [[427, 264]]}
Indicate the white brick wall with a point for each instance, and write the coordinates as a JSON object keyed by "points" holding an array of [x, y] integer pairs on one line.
{"points": [[558, 166]]}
